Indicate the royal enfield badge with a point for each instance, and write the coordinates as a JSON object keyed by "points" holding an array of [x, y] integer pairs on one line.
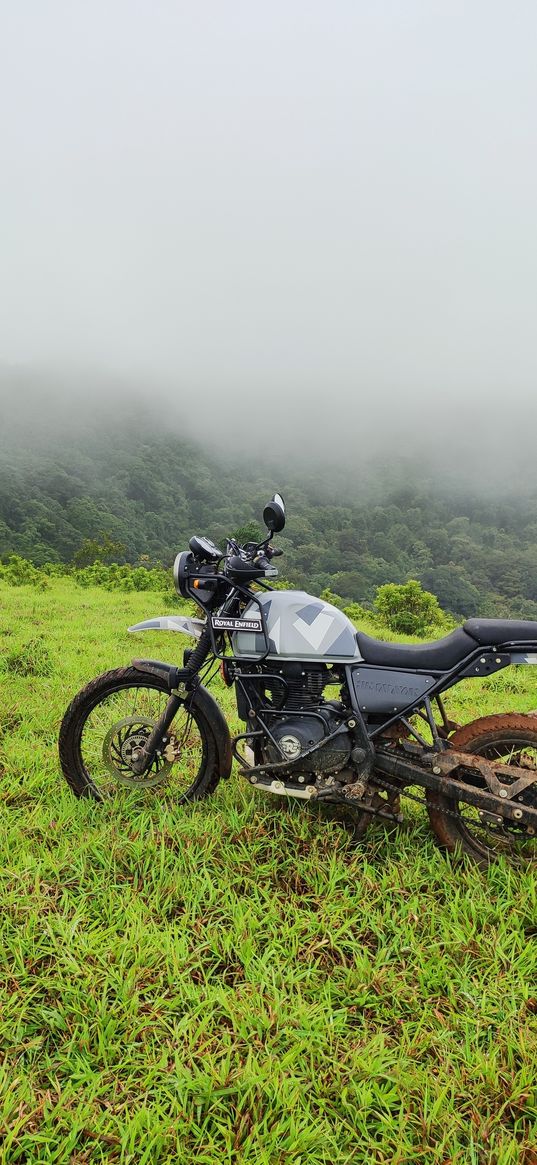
{"points": [[223, 623]]}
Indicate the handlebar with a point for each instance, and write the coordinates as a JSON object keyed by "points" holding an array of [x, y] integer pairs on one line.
{"points": [[252, 551], [251, 561]]}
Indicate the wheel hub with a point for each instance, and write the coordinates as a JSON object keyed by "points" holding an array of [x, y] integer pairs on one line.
{"points": [[133, 745]]}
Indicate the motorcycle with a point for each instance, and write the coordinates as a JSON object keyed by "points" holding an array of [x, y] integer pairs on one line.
{"points": [[330, 714]]}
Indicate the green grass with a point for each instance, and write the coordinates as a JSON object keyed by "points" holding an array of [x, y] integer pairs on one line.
{"points": [[232, 981]]}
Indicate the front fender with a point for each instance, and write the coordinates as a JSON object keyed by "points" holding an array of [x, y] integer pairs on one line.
{"points": [[202, 699], [182, 623]]}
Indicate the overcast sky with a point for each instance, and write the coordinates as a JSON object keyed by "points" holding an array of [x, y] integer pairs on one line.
{"points": [[275, 208]]}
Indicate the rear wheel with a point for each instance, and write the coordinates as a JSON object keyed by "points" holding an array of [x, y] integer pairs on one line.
{"points": [[509, 739], [111, 719]]}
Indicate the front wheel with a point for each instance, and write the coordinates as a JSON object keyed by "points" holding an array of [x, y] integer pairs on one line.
{"points": [[509, 739], [112, 717]]}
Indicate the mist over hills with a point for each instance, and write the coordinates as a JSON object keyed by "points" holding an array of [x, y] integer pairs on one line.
{"points": [[114, 462], [274, 246], [478, 444]]}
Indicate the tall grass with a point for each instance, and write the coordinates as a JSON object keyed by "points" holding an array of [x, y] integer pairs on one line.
{"points": [[233, 981]]}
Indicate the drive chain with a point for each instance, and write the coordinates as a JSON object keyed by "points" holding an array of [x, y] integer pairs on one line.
{"points": [[386, 786]]}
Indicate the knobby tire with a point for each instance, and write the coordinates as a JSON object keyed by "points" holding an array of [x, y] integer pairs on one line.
{"points": [[97, 692]]}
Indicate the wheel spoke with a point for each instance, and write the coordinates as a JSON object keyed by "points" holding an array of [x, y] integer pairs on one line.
{"points": [[117, 727]]}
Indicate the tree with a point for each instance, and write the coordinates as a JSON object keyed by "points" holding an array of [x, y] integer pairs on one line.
{"points": [[328, 596], [454, 591], [407, 608], [95, 550], [250, 532]]}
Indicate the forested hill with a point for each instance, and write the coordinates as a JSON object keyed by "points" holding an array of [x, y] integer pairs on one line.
{"points": [[149, 491]]}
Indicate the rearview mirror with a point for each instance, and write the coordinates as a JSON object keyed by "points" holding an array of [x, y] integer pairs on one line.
{"points": [[274, 514]]}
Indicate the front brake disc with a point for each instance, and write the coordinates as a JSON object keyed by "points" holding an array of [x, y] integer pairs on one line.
{"points": [[122, 744]]}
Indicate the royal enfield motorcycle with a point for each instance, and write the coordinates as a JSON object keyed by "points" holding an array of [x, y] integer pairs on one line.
{"points": [[329, 713]]}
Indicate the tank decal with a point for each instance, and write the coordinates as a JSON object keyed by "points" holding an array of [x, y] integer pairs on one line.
{"points": [[344, 645], [309, 613], [275, 632], [315, 631]]}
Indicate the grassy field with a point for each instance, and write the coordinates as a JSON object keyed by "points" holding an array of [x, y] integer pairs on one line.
{"points": [[234, 982]]}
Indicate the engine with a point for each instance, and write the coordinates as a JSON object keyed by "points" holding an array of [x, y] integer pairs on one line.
{"points": [[297, 734], [289, 701]]}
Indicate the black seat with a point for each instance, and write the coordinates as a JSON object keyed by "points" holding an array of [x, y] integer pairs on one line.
{"points": [[491, 632], [441, 655]]}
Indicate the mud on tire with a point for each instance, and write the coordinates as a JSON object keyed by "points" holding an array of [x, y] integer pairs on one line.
{"points": [[101, 705]]}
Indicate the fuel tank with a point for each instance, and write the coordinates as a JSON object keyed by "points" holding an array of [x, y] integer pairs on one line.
{"points": [[299, 627]]}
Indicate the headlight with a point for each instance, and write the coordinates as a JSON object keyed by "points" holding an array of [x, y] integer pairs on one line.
{"points": [[182, 568]]}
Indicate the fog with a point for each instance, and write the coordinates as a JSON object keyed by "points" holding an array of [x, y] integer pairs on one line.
{"points": [[300, 227]]}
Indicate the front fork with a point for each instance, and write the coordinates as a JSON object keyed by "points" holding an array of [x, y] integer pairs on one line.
{"points": [[144, 757], [183, 683]]}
